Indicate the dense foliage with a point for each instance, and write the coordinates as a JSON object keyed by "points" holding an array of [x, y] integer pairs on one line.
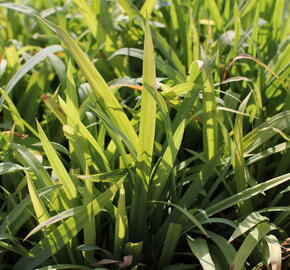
{"points": [[144, 134]]}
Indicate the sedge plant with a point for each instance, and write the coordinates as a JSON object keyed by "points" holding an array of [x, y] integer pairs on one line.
{"points": [[144, 134]]}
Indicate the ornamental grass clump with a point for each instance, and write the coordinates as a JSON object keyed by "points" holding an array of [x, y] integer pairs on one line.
{"points": [[144, 134]]}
